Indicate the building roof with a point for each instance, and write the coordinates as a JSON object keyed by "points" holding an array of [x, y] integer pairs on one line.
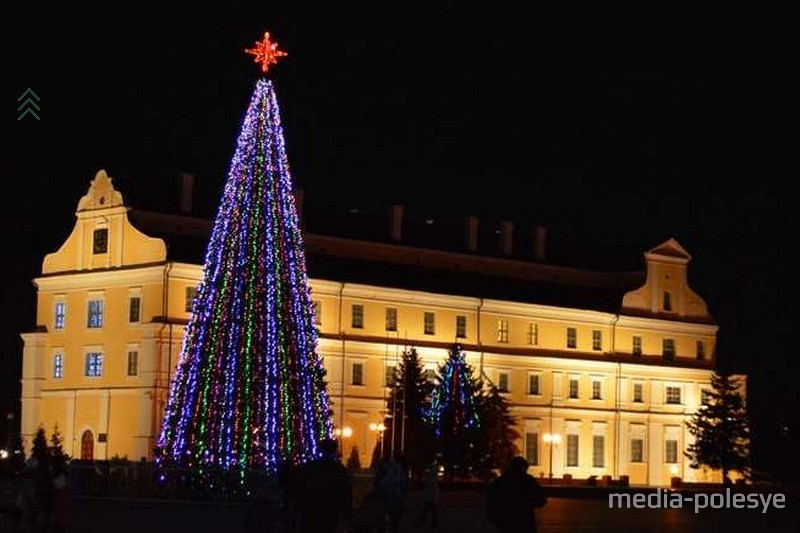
{"points": [[385, 263]]}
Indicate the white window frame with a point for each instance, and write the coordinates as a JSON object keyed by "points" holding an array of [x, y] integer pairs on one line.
{"points": [[91, 351], [538, 376], [57, 368], [670, 387], [363, 364], [95, 297], [502, 330], [59, 300]]}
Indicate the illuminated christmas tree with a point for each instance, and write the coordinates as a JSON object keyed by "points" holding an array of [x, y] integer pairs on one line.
{"points": [[249, 390], [454, 414]]}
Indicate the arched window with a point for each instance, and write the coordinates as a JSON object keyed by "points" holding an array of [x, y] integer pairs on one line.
{"points": [[87, 446]]}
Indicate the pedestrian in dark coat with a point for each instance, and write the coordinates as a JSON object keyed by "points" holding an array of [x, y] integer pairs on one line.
{"points": [[512, 498]]}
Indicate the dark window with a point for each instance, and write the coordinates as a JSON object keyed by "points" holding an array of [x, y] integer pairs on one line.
{"points": [[502, 382], [358, 373], [357, 319], [597, 390], [190, 296], [573, 388], [461, 326], [637, 450], [668, 349], [572, 450], [598, 451], [701, 351], [533, 384], [133, 363], [671, 449], [673, 395], [637, 345], [391, 319], [430, 324], [94, 317], [667, 301], [532, 448], [533, 334], [637, 392], [597, 340], [317, 309], [100, 241], [134, 308], [391, 375], [572, 338]]}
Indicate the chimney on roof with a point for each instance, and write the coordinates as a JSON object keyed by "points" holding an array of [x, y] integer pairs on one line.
{"points": [[396, 223], [298, 204], [187, 192], [506, 236], [539, 242], [471, 233]]}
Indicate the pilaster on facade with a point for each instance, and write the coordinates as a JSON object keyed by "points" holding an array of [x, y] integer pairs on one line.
{"points": [[34, 357]]}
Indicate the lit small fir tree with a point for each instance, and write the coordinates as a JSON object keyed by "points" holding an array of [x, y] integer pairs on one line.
{"points": [[59, 459], [721, 430], [249, 391], [454, 415]]}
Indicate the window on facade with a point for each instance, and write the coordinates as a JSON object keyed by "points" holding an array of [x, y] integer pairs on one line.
{"points": [[502, 381], [59, 315], [668, 349], [358, 374], [100, 241], [94, 317], [533, 384], [637, 393], [134, 309], [430, 375], [391, 375], [316, 307], [597, 340], [94, 364], [598, 451], [671, 451], [133, 363], [572, 450], [701, 351], [58, 365], [533, 334], [667, 301], [673, 395], [637, 345], [461, 326], [430, 323], [391, 319], [357, 316], [572, 338], [637, 450], [573, 388], [597, 389], [502, 330], [532, 448], [705, 397], [189, 297]]}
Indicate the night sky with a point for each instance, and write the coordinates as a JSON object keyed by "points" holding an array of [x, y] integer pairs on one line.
{"points": [[614, 139]]}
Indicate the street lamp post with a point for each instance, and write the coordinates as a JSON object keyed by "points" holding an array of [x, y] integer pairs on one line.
{"points": [[379, 428], [552, 439], [343, 433]]}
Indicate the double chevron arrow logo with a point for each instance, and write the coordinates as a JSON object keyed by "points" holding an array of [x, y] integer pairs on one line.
{"points": [[28, 108]]}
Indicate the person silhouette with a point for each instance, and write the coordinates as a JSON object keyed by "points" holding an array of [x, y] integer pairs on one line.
{"points": [[512, 498], [323, 493], [430, 496]]}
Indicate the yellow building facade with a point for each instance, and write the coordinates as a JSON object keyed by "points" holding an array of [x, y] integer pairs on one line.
{"points": [[614, 388]]}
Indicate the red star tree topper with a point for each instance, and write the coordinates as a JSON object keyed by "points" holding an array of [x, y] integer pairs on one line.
{"points": [[266, 52]]}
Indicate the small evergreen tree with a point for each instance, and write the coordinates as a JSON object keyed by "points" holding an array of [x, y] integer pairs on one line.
{"points": [[721, 430], [407, 432], [39, 450], [354, 460], [58, 458], [497, 430], [454, 415]]}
